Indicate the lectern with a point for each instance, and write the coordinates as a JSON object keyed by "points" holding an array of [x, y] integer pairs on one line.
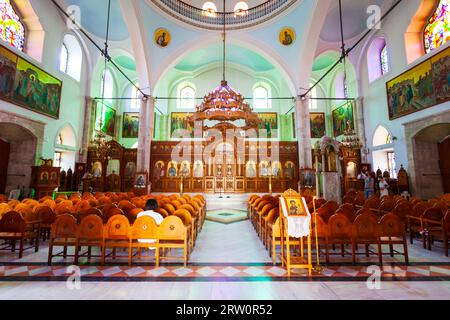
{"points": [[295, 229]]}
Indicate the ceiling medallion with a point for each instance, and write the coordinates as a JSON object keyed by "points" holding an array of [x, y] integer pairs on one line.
{"points": [[287, 36]]}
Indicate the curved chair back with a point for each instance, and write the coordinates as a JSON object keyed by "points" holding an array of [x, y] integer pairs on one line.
{"points": [[322, 226], [272, 216], [91, 228], [45, 214], [162, 212], [184, 215], [189, 208], [419, 209], [372, 203], [169, 208], [172, 228], [434, 214], [391, 225], [65, 226], [402, 209], [12, 222], [387, 204], [339, 226], [144, 228], [111, 213], [365, 226], [117, 228]]}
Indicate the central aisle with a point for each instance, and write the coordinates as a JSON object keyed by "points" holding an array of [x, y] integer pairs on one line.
{"points": [[229, 243]]}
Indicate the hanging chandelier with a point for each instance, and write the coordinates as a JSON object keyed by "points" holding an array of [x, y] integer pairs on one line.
{"points": [[224, 103]]}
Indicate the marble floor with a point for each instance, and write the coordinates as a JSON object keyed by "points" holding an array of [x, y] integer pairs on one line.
{"points": [[229, 262]]}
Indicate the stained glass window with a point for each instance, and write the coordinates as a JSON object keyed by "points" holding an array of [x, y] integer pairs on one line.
{"points": [[437, 31], [11, 28], [384, 60]]}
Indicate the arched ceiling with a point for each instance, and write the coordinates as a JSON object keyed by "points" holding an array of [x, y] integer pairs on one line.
{"points": [[94, 18], [235, 54], [355, 18]]}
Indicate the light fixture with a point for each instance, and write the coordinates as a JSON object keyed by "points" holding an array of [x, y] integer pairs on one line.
{"points": [[224, 103]]}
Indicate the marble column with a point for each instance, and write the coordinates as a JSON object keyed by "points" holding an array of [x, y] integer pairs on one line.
{"points": [[146, 128], [303, 133], [88, 127], [360, 127]]}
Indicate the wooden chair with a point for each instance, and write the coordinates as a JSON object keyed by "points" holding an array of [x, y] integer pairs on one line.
{"points": [[144, 234], [269, 220], [260, 220], [116, 235], [372, 203], [322, 232], [432, 225], [162, 212], [63, 234], [339, 233], [365, 231], [188, 222], [387, 205], [47, 217], [172, 234], [112, 212], [402, 210], [414, 221], [169, 208], [88, 212], [393, 232], [89, 234], [346, 211], [12, 229]]}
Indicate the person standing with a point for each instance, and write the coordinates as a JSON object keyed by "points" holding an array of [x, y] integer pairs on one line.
{"points": [[383, 187]]}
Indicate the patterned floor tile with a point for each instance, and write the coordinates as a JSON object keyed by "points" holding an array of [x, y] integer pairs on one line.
{"points": [[206, 271], [230, 271], [157, 272]]}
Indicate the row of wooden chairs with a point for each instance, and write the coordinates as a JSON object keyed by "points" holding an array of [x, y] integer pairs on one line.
{"points": [[428, 219], [337, 225], [119, 234]]}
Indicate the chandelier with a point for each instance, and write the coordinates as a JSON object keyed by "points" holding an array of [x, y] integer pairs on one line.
{"points": [[351, 139], [224, 103]]}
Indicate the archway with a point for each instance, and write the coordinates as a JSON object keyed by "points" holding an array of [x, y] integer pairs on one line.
{"points": [[431, 149], [17, 156]]}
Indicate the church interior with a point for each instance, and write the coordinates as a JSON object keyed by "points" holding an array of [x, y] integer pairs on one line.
{"points": [[224, 149]]}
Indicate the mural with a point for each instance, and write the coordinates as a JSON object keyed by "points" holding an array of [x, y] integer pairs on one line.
{"points": [[26, 85], [318, 129], [421, 87], [269, 122], [342, 117], [130, 125], [179, 124], [107, 115]]}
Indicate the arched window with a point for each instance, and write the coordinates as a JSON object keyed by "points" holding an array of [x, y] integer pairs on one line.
{"points": [[340, 85], [209, 9], [377, 58], [240, 9], [437, 31], [384, 60], [186, 98], [313, 102], [381, 137], [71, 57], [261, 98], [135, 102], [11, 28], [107, 85], [64, 59]]}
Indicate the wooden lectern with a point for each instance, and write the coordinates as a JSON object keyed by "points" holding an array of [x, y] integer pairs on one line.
{"points": [[295, 227]]}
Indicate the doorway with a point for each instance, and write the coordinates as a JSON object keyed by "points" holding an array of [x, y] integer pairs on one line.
{"points": [[444, 163], [4, 161]]}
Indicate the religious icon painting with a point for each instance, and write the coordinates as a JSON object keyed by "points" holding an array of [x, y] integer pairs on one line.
{"points": [[287, 36], [130, 125], [140, 180], [162, 37]]}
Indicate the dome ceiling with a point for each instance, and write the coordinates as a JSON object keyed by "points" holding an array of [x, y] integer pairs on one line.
{"points": [[94, 18], [355, 18], [235, 54]]}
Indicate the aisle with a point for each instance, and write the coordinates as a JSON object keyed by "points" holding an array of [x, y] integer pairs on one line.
{"points": [[229, 243]]}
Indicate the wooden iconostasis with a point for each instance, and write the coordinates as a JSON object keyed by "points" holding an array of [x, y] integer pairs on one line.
{"points": [[226, 170]]}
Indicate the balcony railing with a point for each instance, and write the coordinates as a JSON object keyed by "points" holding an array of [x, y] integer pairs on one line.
{"points": [[214, 20]]}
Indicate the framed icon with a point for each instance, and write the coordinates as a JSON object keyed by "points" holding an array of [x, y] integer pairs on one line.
{"points": [[162, 37]]}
